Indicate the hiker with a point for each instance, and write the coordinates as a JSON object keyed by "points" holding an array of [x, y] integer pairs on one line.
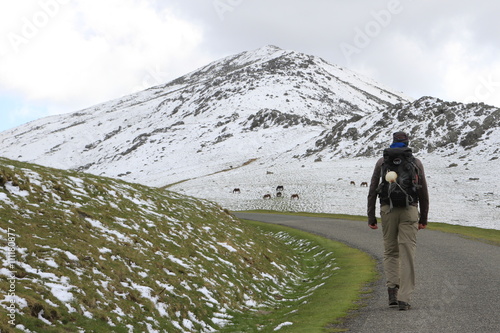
{"points": [[399, 181]]}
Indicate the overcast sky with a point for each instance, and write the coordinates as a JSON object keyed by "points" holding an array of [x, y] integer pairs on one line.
{"points": [[60, 56]]}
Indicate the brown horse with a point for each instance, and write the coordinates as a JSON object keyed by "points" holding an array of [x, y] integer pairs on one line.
{"points": [[353, 183], [365, 184], [267, 196], [294, 196], [236, 190]]}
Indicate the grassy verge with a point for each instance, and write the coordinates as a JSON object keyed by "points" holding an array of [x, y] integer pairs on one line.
{"points": [[325, 310], [325, 215], [489, 236]]}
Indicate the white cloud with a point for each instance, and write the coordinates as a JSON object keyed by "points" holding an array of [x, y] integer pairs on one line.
{"points": [[466, 81], [84, 52]]}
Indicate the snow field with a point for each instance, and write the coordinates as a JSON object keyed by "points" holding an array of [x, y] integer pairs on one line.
{"points": [[466, 194]]}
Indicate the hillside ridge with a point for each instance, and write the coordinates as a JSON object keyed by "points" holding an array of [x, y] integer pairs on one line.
{"points": [[92, 253]]}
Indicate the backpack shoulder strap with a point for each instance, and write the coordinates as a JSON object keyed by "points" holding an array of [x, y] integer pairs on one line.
{"points": [[418, 173]]}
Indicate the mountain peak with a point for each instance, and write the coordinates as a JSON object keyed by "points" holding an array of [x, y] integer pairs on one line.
{"points": [[270, 48]]}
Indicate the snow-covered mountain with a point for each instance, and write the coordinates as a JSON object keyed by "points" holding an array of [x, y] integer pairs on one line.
{"points": [[243, 107], [435, 126], [267, 117]]}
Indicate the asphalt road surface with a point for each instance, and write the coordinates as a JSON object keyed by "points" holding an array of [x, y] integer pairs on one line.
{"points": [[458, 280]]}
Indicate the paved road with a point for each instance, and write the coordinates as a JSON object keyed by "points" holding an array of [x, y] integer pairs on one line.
{"points": [[458, 280]]}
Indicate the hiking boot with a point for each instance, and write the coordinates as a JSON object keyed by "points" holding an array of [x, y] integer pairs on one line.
{"points": [[403, 306], [393, 296]]}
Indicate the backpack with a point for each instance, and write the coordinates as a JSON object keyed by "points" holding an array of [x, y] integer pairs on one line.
{"points": [[403, 191]]}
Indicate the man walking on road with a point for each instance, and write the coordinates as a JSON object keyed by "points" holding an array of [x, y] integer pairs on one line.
{"points": [[399, 181]]}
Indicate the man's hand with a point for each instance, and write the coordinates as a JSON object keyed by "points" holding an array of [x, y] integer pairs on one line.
{"points": [[421, 226], [372, 222]]}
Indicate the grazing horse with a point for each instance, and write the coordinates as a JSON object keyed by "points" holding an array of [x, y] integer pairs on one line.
{"points": [[267, 196], [294, 196], [279, 188], [279, 194], [236, 190], [365, 184], [353, 183]]}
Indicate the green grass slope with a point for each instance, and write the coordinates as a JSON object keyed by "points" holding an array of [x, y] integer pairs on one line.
{"points": [[90, 254]]}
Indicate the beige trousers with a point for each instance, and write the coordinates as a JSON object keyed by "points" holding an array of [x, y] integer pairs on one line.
{"points": [[399, 228]]}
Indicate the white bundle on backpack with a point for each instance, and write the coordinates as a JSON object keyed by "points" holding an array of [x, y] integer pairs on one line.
{"points": [[391, 177]]}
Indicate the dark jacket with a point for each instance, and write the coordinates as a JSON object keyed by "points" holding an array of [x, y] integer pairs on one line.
{"points": [[423, 194]]}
